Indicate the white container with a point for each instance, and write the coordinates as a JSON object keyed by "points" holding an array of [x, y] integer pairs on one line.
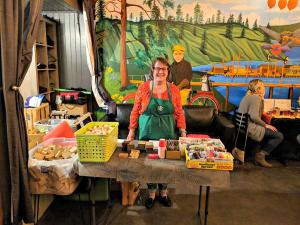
{"points": [[162, 146]]}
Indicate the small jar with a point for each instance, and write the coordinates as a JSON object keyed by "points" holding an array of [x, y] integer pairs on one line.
{"points": [[162, 145]]}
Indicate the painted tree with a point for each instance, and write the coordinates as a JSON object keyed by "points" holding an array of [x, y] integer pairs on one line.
{"points": [[181, 33], [99, 10], [149, 32], [120, 7], [191, 20], [213, 18], [166, 14], [131, 16], [187, 17], [268, 25], [229, 27], [131, 19], [223, 21], [141, 28], [195, 31], [247, 23], [243, 33], [203, 43], [239, 19], [218, 16], [179, 13], [155, 14], [197, 11], [255, 25]]}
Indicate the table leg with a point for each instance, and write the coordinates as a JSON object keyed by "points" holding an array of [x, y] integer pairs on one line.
{"points": [[92, 199], [199, 201], [206, 204], [125, 193]]}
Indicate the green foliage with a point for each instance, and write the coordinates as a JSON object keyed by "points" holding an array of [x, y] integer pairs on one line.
{"points": [[168, 4], [216, 46], [141, 59]]}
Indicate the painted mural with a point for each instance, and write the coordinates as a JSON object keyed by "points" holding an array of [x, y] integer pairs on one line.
{"points": [[227, 40]]}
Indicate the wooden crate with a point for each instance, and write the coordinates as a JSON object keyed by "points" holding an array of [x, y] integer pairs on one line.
{"points": [[36, 114]]}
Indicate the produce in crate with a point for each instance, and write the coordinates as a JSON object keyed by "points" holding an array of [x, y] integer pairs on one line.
{"points": [[55, 152], [102, 129]]}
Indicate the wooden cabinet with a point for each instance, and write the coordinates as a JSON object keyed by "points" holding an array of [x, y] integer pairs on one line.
{"points": [[43, 74]]}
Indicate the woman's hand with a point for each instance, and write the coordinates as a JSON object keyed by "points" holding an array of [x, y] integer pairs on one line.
{"points": [[182, 132], [131, 135], [271, 127]]}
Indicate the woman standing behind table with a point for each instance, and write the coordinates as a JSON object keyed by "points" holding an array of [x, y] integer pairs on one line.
{"points": [[267, 135], [157, 109]]}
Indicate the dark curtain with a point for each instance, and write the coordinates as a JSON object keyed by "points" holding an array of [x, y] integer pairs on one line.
{"points": [[18, 30], [94, 57]]}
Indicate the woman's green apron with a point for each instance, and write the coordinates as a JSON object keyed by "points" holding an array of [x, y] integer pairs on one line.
{"points": [[158, 120]]}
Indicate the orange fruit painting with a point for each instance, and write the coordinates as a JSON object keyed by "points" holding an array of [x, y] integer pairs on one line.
{"points": [[292, 4], [271, 3], [282, 4]]}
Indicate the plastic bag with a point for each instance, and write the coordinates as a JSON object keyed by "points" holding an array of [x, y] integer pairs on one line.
{"points": [[53, 177]]}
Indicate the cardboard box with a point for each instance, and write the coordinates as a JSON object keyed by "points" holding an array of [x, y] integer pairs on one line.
{"points": [[36, 114], [73, 109], [173, 154], [217, 164]]}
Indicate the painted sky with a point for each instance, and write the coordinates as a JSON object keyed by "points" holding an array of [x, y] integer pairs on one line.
{"points": [[253, 9]]}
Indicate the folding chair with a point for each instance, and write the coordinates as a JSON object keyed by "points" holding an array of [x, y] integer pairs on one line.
{"points": [[240, 121]]}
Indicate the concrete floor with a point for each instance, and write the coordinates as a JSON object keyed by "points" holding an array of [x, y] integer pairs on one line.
{"points": [[257, 196]]}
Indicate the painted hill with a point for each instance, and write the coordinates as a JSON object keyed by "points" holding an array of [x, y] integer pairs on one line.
{"points": [[290, 27], [148, 39]]}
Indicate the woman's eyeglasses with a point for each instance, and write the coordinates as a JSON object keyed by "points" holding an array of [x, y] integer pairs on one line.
{"points": [[157, 69]]}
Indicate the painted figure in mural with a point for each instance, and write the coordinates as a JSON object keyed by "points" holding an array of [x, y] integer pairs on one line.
{"points": [[158, 113], [284, 41], [205, 83], [181, 73], [266, 135]]}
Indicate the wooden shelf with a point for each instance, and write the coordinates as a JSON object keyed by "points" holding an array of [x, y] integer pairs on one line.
{"points": [[43, 53]]}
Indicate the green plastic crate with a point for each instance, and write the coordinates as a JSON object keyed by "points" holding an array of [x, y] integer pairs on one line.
{"points": [[96, 148]]}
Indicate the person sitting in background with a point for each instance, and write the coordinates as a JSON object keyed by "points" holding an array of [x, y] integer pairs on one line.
{"points": [[267, 135], [157, 111], [181, 73]]}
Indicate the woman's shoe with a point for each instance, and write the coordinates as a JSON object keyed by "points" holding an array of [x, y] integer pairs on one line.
{"points": [[238, 154], [260, 159], [149, 203], [165, 200]]}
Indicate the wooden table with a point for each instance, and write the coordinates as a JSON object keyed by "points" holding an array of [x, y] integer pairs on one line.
{"points": [[158, 171]]}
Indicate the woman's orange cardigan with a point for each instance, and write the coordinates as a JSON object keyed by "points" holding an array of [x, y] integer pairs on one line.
{"points": [[142, 99]]}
